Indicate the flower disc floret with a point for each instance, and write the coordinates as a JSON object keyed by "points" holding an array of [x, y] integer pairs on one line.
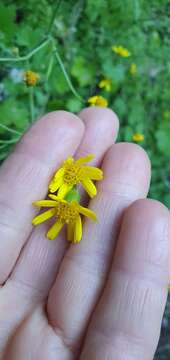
{"points": [[31, 77], [73, 172], [65, 213]]}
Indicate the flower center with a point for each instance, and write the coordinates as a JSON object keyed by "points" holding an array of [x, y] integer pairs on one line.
{"points": [[66, 212], [72, 174]]}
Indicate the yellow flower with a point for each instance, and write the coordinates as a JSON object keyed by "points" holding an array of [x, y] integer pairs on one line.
{"points": [[138, 137], [74, 172], [105, 84], [31, 78], [66, 213], [121, 51], [98, 100], [133, 69]]}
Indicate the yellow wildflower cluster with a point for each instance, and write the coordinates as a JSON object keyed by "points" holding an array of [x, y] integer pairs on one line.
{"points": [[105, 84], [138, 137], [133, 69], [31, 77], [64, 205], [98, 100], [121, 51]]}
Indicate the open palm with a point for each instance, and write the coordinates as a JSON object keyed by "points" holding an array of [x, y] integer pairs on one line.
{"points": [[103, 298]]}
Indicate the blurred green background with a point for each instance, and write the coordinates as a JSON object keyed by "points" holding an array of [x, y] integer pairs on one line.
{"points": [[72, 49], [68, 44]]}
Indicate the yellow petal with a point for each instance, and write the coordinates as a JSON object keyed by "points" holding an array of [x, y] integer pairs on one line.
{"points": [[64, 189], [89, 187], [43, 217], [70, 232], [59, 173], [93, 172], [87, 212], [54, 230], [78, 230], [55, 184], [84, 160], [56, 198], [68, 161], [45, 203]]}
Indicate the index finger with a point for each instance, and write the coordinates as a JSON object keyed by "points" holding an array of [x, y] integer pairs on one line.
{"points": [[24, 178]]}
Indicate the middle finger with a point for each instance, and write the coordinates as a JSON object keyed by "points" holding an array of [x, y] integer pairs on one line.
{"points": [[84, 269]]}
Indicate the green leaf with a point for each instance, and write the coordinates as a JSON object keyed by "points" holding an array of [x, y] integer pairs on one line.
{"points": [[83, 71], [137, 9], [114, 72], [128, 132], [7, 21], [167, 200], [27, 37], [74, 105], [120, 106], [58, 82], [94, 8], [12, 113], [55, 104], [163, 140]]}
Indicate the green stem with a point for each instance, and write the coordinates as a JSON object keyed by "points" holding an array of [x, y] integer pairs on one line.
{"points": [[29, 55], [9, 129], [53, 17], [12, 141], [31, 102], [50, 67], [3, 146], [60, 62]]}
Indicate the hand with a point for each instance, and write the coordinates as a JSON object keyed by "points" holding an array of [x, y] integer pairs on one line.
{"points": [[103, 298]]}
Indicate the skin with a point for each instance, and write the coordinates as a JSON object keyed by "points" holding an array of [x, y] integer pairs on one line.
{"points": [[101, 299]]}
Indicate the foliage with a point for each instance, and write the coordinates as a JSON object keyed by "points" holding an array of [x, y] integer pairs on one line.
{"points": [[72, 42]]}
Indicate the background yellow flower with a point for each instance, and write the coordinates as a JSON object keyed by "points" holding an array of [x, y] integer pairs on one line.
{"points": [[31, 77], [121, 51], [105, 84], [138, 137], [98, 100]]}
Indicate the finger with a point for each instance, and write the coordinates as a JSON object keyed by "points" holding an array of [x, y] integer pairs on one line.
{"points": [[37, 266], [40, 259], [97, 138], [126, 324], [84, 268], [24, 178], [102, 127]]}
